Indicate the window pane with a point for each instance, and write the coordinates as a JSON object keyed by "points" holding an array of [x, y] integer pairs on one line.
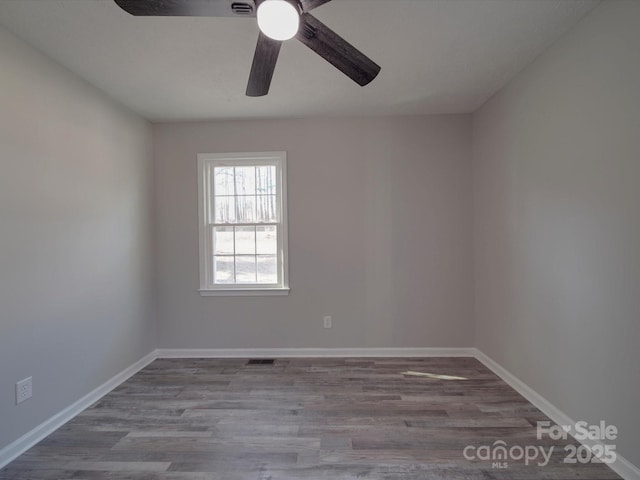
{"points": [[223, 269], [266, 209], [240, 206], [245, 209], [223, 181], [266, 180], [225, 209], [245, 269], [223, 241], [245, 180], [267, 269], [267, 239], [245, 240]]}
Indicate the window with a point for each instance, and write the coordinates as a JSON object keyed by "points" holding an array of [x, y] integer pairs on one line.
{"points": [[243, 223]]}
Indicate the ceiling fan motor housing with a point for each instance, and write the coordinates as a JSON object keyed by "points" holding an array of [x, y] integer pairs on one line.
{"points": [[242, 8]]}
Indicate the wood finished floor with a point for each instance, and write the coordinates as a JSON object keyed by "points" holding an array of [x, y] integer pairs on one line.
{"points": [[330, 419]]}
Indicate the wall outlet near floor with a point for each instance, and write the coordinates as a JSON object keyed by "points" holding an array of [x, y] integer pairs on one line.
{"points": [[24, 390], [327, 322]]}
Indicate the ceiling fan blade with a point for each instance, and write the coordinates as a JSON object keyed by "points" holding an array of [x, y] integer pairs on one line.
{"points": [[264, 63], [191, 8], [335, 50], [308, 5]]}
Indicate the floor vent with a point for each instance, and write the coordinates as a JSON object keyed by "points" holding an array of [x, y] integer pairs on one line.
{"points": [[261, 361]]}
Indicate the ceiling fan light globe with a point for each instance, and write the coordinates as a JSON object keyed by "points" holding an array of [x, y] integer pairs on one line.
{"points": [[278, 19]]}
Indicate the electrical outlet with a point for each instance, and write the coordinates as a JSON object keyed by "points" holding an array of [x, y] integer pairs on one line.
{"points": [[327, 322], [24, 390]]}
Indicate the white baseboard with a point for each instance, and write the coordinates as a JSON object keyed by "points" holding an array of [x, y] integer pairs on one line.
{"points": [[523, 389], [29, 439], [311, 352], [621, 466]]}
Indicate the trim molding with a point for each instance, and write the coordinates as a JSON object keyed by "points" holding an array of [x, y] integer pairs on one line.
{"points": [[29, 439], [312, 352], [621, 466]]}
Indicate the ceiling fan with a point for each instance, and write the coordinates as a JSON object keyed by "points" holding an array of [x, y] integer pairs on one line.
{"points": [[279, 20]]}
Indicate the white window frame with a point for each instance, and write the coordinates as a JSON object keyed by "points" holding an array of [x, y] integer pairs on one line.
{"points": [[207, 161]]}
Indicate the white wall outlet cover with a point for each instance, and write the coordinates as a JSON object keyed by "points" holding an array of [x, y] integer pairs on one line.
{"points": [[327, 322], [24, 390]]}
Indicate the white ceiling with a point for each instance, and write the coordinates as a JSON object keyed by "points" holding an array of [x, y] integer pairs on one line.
{"points": [[437, 56]]}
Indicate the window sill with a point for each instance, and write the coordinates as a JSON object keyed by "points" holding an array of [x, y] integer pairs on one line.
{"points": [[245, 292]]}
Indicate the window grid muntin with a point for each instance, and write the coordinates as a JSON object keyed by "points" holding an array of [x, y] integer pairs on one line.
{"points": [[211, 209], [256, 209], [234, 255]]}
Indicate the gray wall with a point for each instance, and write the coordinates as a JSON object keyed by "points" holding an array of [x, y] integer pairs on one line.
{"points": [[557, 215], [75, 237], [380, 235]]}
